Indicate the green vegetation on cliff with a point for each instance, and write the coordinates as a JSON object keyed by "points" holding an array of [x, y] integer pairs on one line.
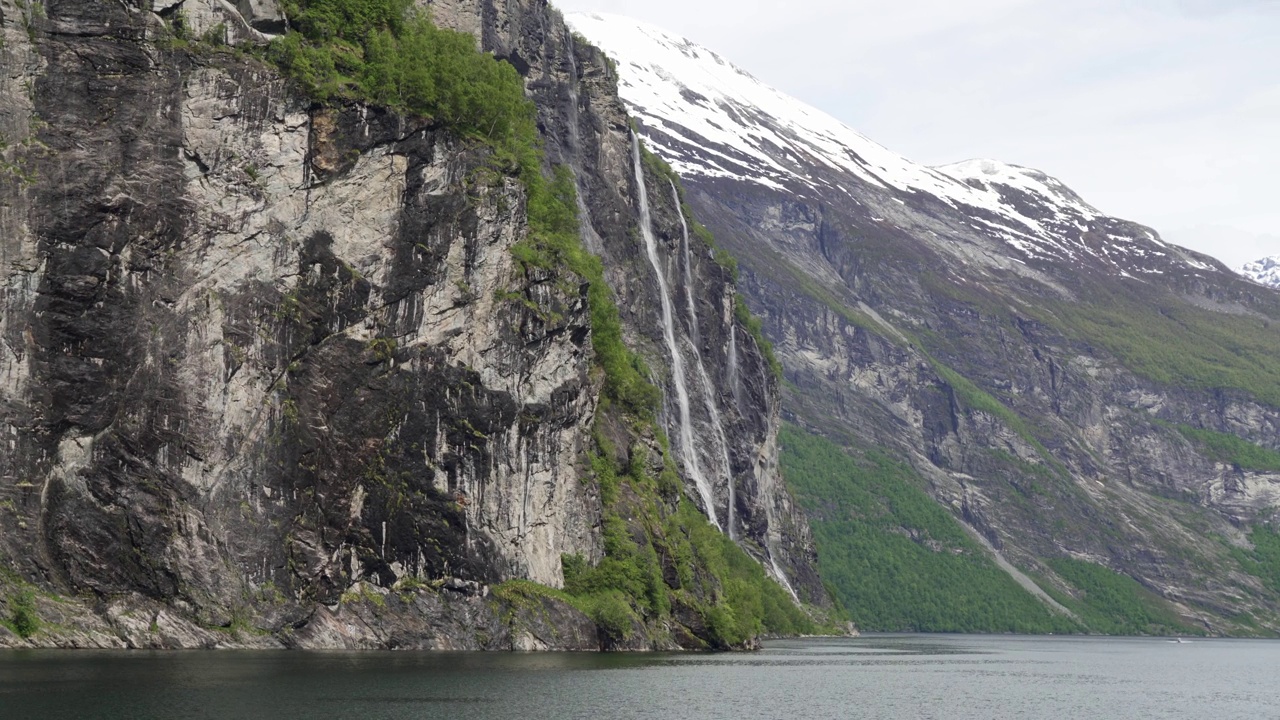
{"points": [[1114, 604], [664, 563], [21, 618], [1263, 561], [755, 328], [1170, 341], [752, 324], [975, 398], [666, 566], [897, 560], [388, 53], [900, 562], [554, 243], [1231, 449], [666, 572]]}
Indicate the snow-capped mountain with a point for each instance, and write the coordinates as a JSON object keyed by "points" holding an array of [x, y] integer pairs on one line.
{"points": [[1265, 271], [710, 119], [1050, 373]]}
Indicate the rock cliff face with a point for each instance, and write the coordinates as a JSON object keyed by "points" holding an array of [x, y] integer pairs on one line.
{"points": [[259, 358], [734, 400], [1069, 385]]}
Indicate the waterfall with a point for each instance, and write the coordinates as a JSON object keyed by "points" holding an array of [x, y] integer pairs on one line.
{"points": [[590, 238], [708, 397], [694, 332], [688, 451], [735, 380], [781, 577], [575, 139], [717, 424]]}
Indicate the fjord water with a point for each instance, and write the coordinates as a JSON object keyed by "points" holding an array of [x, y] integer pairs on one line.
{"points": [[989, 677]]}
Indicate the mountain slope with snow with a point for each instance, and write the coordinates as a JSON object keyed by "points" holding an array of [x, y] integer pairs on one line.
{"points": [[1071, 387], [1264, 272], [709, 118]]}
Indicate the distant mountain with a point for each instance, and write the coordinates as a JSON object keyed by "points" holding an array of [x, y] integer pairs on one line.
{"points": [[710, 119], [1265, 271], [1097, 406]]}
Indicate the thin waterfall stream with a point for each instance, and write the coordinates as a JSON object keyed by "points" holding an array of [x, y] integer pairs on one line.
{"points": [[707, 395], [780, 576], [688, 452], [590, 238], [694, 331], [735, 382]]}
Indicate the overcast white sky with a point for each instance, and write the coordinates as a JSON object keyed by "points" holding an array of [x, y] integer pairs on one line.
{"points": [[1166, 112]]}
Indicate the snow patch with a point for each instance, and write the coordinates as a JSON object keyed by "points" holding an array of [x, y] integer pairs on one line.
{"points": [[708, 118], [1264, 272]]}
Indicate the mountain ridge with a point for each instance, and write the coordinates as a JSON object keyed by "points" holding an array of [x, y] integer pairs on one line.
{"points": [[780, 142], [1057, 378], [1265, 271]]}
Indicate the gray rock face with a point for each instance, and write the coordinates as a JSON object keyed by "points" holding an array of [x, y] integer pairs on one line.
{"points": [[263, 15], [261, 362], [958, 317], [272, 350], [587, 128], [223, 21]]}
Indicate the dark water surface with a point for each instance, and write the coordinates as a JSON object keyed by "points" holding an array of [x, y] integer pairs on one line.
{"points": [[892, 676]]}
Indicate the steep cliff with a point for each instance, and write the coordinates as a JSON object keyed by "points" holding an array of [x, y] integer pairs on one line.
{"points": [[733, 400], [273, 371], [1089, 400]]}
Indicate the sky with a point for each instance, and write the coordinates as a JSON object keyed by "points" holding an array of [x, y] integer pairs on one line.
{"points": [[1165, 112]]}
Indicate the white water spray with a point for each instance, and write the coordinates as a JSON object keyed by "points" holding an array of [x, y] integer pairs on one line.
{"points": [[707, 396], [717, 424], [781, 577], [735, 382], [692, 464], [694, 331]]}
